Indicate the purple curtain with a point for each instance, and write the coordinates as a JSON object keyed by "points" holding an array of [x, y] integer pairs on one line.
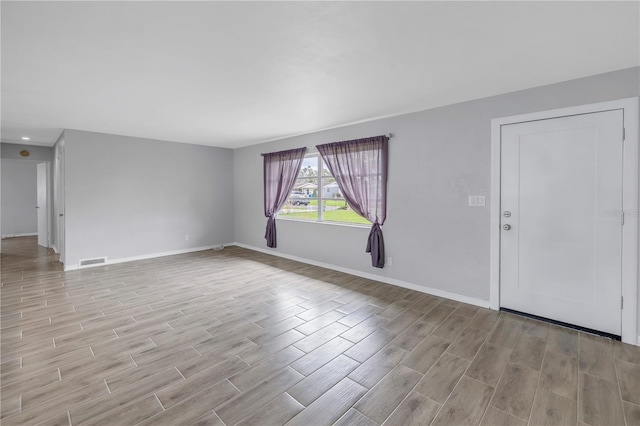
{"points": [[360, 169], [280, 172]]}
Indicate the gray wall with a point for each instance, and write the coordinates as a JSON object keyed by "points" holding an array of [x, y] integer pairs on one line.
{"points": [[19, 198], [438, 158], [37, 153], [13, 220], [127, 197]]}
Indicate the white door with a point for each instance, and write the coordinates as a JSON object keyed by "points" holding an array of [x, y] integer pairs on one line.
{"points": [[59, 199], [561, 204], [42, 205]]}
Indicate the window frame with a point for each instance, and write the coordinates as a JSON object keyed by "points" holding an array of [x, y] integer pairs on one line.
{"points": [[320, 212]]}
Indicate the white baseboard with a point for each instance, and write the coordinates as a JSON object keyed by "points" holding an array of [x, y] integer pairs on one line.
{"points": [[141, 257], [18, 235], [386, 280]]}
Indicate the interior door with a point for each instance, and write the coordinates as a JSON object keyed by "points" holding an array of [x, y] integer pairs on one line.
{"points": [[561, 204], [42, 205], [59, 199]]}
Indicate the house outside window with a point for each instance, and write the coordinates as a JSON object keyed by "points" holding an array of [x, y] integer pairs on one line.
{"points": [[316, 196]]}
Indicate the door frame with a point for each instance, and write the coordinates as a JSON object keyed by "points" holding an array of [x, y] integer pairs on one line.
{"points": [[49, 210], [630, 203], [58, 221]]}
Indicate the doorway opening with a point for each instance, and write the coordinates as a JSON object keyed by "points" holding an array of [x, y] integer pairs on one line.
{"points": [[26, 199]]}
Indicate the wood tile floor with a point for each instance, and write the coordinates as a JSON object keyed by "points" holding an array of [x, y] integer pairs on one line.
{"points": [[239, 337]]}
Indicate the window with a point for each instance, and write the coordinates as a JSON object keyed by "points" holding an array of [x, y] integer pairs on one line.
{"points": [[313, 189]]}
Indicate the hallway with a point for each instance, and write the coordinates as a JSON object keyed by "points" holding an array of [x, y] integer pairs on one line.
{"points": [[23, 258]]}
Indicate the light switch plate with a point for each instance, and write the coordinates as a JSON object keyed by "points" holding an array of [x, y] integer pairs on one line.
{"points": [[476, 201]]}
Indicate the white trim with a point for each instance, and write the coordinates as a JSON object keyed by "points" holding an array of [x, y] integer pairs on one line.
{"points": [[631, 204], [49, 204], [386, 280], [141, 257], [19, 235], [327, 222]]}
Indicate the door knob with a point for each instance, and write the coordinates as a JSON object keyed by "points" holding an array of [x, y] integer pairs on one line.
{"points": [[506, 227]]}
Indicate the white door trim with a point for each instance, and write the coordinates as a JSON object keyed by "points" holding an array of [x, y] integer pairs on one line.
{"points": [[630, 197], [47, 202]]}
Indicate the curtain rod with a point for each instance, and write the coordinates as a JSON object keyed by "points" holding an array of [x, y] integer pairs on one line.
{"points": [[313, 148]]}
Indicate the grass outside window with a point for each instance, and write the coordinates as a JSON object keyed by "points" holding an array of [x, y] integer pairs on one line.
{"points": [[316, 196]]}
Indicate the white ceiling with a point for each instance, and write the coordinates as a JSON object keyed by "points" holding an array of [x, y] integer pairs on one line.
{"points": [[232, 74]]}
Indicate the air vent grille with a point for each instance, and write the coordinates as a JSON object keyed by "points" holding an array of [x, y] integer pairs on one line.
{"points": [[93, 262]]}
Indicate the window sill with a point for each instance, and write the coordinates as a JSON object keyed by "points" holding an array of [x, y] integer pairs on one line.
{"points": [[344, 224]]}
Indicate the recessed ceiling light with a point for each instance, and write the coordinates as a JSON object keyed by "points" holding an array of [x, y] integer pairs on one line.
{"points": [[26, 138]]}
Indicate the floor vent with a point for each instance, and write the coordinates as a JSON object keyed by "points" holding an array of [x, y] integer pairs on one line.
{"points": [[93, 262]]}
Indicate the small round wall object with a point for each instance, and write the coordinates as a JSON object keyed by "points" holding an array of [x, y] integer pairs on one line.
{"points": [[25, 153]]}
